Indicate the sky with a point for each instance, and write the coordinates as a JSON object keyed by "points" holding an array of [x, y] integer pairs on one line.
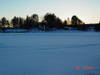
{"points": [[87, 10]]}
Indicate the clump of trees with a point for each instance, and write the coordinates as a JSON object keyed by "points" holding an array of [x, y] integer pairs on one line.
{"points": [[76, 21], [28, 23], [52, 22], [4, 22], [49, 22]]}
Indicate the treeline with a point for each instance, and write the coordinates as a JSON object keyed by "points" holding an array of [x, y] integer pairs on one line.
{"points": [[49, 22]]}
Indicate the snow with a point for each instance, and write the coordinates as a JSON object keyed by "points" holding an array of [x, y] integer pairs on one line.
{"points": [[49, 53]]}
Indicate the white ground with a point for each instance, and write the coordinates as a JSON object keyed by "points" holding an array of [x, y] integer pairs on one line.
{"points": [[49, 53]]}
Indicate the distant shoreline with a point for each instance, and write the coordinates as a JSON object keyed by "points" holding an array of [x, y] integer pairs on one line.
{"points": [[85, 27]]}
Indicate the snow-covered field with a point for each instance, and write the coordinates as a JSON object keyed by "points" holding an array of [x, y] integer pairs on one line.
{"points": [[49, 53]]}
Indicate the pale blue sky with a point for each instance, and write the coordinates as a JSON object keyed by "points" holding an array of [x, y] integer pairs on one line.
{"points": [[86, 10]]}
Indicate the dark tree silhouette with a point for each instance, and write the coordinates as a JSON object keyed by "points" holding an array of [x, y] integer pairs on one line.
{"points": [[50, 18], [35, 20], [35, 17], [28, 23], [15, 22], [31, 22], [59, 24], [4, 21], [21, 22], [43, 26], [76, 21], [78, 24], [52, 21]]}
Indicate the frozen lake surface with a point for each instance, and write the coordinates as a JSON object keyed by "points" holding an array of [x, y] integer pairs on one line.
{"points": [[49, 53]]}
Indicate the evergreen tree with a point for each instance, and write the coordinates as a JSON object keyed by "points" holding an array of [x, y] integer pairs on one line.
{"points": [[76, 21], [53, 21], [35, 20], [4, 21], [15, 22]]}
